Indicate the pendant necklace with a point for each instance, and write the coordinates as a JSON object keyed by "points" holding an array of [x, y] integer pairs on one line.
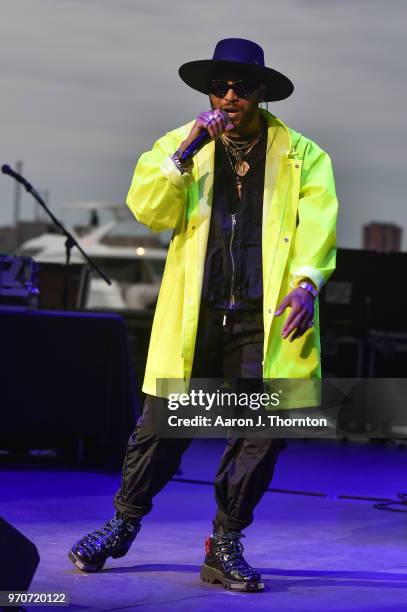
{"points": [[239, 151], [240, 166], [238, 180]]}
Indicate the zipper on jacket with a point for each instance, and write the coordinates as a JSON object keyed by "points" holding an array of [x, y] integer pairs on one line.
{"points": [[232, 283]]}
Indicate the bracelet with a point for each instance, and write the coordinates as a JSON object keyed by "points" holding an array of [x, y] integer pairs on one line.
{"points": [[308, 287], [183, 167]]}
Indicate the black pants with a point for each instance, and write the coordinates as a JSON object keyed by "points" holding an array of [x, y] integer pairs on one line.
{"points": [[247, 465]]}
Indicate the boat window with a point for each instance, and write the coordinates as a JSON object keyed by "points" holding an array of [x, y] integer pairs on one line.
{"points": [[122, 270], [157, 266]]}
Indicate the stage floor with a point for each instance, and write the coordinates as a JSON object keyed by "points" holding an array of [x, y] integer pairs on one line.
{"points": [[315, 552]]}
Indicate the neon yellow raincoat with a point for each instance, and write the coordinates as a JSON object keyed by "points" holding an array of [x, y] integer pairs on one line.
{"points": [[298, 241]]}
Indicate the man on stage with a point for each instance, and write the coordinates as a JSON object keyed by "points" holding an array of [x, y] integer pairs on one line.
{"points": [[253, 214]]}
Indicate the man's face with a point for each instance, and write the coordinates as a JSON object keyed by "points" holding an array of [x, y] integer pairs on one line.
{"points": [[241, 110]]}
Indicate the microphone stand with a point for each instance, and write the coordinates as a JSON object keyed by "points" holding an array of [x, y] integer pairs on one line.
{"points": [[70, 241]]}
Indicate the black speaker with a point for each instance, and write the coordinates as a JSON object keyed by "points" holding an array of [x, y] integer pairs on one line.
{"points": [[51, 280], [388, 298], [344, 302], [19, 559], [364, 294]]}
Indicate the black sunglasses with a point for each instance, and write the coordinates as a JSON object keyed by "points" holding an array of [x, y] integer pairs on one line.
{"points": [[242, 88]]}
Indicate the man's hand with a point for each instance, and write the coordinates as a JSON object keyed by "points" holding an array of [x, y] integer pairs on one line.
{"points": [[215, 122], [301, 315]]}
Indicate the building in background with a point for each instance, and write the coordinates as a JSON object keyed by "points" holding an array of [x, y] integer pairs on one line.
{"points": [[382, 237]]}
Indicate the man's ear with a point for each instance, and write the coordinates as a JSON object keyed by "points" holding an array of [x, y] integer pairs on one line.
{"points": [[262, 93]]}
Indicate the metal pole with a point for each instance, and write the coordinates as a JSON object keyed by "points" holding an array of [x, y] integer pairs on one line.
{"points": [[46, 200], [17, 206], [17, 195]]}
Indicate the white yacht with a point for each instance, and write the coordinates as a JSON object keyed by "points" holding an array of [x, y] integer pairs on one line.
{"points": [[126, 251]]}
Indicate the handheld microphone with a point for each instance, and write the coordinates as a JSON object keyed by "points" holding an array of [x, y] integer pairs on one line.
{"points": [[197, 144]]}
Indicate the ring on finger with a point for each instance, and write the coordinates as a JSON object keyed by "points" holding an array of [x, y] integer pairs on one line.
{"points": [[216, 116]]}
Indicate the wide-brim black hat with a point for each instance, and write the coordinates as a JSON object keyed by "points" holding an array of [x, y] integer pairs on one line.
{"points": [[241, 55]]}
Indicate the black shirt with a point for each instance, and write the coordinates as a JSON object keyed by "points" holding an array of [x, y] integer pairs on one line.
{"points": [[233, 263]]}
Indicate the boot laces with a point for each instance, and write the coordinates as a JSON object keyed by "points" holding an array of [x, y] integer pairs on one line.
{"points": [[110, 534], [230, 549]]}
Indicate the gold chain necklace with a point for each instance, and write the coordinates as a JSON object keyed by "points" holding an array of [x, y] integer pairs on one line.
{"points": [[237, 145], [241, 166]]}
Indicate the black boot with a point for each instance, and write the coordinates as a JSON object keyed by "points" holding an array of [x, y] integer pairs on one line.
{"points": [[224, 563], [113, 540]]}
